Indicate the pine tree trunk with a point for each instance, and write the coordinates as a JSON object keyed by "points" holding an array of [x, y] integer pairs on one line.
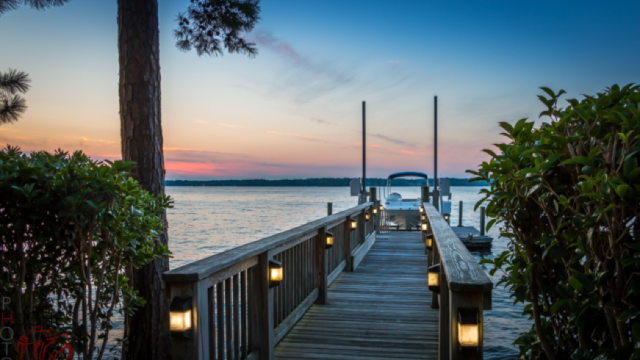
{"points": [[147, 331]]}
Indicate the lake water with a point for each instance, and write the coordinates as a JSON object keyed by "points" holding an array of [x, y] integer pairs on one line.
{"points": [[209, 220]]}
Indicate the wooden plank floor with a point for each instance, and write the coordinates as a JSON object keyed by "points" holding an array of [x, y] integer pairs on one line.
{"points": [[380, 311]]}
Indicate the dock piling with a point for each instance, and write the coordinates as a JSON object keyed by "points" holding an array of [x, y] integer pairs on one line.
{"points": [[460, 214], [329, 208]]}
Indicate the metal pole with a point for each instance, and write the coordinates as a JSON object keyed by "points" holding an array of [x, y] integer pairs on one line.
{"points": [[329, 208], [460, 214], [364, 152], [435, 142]]}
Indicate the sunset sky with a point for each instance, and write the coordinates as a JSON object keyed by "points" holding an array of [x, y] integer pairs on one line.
{"points": [[294, 111]]}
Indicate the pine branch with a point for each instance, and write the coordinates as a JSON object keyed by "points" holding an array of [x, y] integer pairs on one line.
{"points": [[11, 108], [212, 25], [6, 5], [14, 81], [44, 4]]}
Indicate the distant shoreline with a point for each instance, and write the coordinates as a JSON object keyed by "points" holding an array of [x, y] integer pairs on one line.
{"points": [[325, 182]]}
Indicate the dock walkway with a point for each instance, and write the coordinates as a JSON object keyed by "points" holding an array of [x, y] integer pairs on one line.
{"points": [[379, 311]]}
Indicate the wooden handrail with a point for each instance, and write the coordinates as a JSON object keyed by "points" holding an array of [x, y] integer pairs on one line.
{"points": [[235, 313], [463, 284], [201, 269]]}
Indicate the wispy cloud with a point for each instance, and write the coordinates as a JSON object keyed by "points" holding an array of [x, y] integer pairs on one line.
{"points": [[311, 138], [409, 152], [236, 126], [389, 139], [98, 141], [309, 78], [324, 122]]}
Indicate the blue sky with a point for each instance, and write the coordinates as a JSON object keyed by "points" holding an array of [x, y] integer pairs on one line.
{"points": [[294, 110]]}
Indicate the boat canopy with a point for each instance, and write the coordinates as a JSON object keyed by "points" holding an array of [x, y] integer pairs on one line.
{"points": [[407, 173]]}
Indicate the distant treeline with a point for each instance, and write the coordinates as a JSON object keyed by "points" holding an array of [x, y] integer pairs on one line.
{"points": [[317, 182]]}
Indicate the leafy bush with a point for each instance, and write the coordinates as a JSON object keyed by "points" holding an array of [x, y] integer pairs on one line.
{"points": [[567, 195], [69, 227]]}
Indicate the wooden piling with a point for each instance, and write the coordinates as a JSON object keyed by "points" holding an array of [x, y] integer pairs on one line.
{"points": [[482, 228], [460, 214], [329, 208]]}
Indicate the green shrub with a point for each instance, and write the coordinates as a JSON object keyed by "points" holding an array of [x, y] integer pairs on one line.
{"points": [[69, 227], [567, 195]]}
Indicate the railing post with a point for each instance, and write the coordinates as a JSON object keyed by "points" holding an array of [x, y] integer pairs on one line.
{"points": [[321, 266], [329, 208], [262, 306], [361, 224], [435, 259], [373, 195], [196, 347], [473, 300], [346, 244], [424, 193], [444, 335], [460, 214], [482, 221]]}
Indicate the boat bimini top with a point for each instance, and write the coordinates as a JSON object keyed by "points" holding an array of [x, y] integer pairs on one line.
{"points": [[406, 174]]}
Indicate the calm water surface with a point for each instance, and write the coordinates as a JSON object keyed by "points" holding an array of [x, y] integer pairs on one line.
{"points": [[209, 220]]}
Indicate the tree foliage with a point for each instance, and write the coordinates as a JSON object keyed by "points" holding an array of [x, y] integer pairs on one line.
{"points": [[209, 26], [12, 84], [69, 227], [567, 195], [7, 5]]}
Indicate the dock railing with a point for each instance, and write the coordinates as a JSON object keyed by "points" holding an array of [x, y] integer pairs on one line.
{"points": [[464, 290], [234, 313]]}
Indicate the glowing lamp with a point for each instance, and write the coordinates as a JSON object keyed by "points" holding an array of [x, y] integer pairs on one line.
{"points": [[468, 330], [275, 273], [180, 317], [381, 208], [425, 227], [434, 278], [421, 209], [354, 224], [375, 211], [367, 216], [428, 242], [423, 217], [329, 240]]}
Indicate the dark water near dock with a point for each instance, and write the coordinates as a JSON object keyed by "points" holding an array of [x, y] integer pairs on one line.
{"points": [[210, 220]]}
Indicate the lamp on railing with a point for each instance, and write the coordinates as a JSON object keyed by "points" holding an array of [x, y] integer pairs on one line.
{"points": [[428, 242], [180, 317], [381, 207], [423, 217], [434, 278], [421, 208], [446, 217], [468, 330], [275, 273], [367, 216], [375, 210], [329, 242], [354, 224]]}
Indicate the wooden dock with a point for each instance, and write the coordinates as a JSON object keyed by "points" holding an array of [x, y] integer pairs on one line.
{"points": [[334, 288], [382, 310]]}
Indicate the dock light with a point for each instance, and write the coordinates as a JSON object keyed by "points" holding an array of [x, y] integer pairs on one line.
{"points": [[428, 242], [425, 227], [180, 317], [367, 216], [381, 207], [423, 217], [434, 278], [354, 224], [468, 330], [421, 209], [329, 240], [375, 211], [446, 217], [275, 273]]}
